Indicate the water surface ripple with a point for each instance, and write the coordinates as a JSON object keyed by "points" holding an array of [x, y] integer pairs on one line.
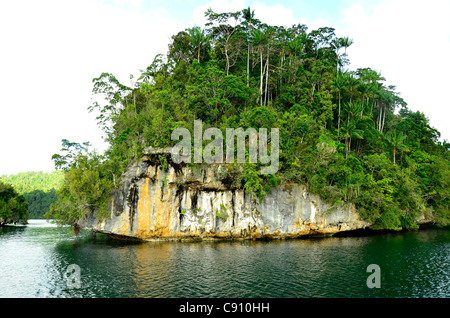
{"points": [[33, 260]]}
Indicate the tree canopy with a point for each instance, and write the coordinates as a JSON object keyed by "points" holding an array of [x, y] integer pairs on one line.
{"points": [[13, 206], [345, 134], [38, 188]]}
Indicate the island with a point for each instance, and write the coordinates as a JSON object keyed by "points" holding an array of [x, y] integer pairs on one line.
{"points": [[349, 152]]}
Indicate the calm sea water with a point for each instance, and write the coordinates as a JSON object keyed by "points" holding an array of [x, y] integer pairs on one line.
{"points": [[34, 259]]}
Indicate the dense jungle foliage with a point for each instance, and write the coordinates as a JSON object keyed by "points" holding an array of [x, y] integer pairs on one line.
{"points": [[344, 133]]}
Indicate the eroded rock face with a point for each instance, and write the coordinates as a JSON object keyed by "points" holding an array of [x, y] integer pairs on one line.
{"points": [[201, 202]]}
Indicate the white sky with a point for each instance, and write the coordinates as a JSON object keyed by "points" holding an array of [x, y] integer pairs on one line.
{"points": [[50, 50]]}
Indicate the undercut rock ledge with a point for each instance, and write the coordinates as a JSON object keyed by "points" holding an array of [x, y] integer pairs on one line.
{"points": [[181, 203]]}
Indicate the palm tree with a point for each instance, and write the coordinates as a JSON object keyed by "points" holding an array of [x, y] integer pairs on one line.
{"points": [[338, 44], [346, 42], [249, 18], [364, 90], [338, 85], [397, 141], [259, 37], [198, 38], [371, 78], [352, 83], [268, 37], [386, 99], [351, 128], [284, 36], [295, 46]]}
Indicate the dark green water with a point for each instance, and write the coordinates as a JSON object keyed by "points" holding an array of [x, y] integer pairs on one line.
{"points": [[34, 258]]}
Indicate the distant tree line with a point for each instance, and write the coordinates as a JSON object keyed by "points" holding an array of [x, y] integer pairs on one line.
{"points": [[37, 188], [13, 206]]}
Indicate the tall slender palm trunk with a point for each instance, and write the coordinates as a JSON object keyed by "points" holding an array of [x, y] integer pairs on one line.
{"points": [[261, 77], [339, 114], [267, 77], [248, 64]]}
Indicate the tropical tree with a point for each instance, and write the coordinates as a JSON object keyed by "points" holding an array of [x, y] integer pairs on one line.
{"points": [[364, 91], [396, 140], [295, 46], [151, 71], [345, 43], [110, 100], [269, 33], [70, 151], [387, 98], [199, 39], [227, 34], [338, 85], [259, 38], [338, 44], [249, 21], [351, 129], [352, 83]]}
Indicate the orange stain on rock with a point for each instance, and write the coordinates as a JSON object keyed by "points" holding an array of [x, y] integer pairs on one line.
{"points": [[144, 213]]}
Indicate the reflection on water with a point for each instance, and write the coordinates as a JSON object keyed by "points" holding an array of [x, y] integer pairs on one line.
{"points": [[33, 260]]}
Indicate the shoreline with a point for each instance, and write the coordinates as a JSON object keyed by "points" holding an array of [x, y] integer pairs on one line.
{"points": [[366, 232]]}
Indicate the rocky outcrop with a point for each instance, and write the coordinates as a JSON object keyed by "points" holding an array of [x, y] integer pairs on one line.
{"points": [[182, 202]]}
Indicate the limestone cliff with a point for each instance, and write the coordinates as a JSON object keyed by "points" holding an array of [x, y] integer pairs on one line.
{"points": [[183, 202]]}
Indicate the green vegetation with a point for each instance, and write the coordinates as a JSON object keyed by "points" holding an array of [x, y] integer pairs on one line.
{"points": [[222, 213], [13, 207], [88, 182], [38, 188], [35, 180], [345, 134]]}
